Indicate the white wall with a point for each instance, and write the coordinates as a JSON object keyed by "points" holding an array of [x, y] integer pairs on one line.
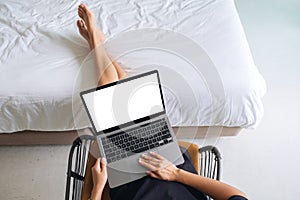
{"points": [[265, 163]]}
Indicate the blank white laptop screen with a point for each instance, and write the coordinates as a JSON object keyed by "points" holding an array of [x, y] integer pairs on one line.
{"points": [[124, 102]]}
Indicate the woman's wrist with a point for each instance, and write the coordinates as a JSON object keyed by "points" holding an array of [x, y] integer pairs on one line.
{"points": [[182, 176], [178, 175], [96, 194]]}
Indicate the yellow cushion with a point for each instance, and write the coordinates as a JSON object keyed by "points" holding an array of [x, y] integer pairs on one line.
{"points": [[193, 151]]}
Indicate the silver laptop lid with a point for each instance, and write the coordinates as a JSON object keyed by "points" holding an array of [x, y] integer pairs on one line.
{"points": [[123, 103]]}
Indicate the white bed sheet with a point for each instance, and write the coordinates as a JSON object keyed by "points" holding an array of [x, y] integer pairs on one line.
{"points": [[41, 52]]}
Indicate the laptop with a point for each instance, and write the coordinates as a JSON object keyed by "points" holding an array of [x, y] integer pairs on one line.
{"points": [[129, 119]]}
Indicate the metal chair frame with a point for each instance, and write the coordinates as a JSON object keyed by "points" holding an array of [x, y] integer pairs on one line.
{"points": [[210, 162], [77, 165]]}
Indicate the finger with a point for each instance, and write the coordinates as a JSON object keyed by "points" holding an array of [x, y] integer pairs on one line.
{"points": [[151, 160], [103, 161], [156, 155], [103, 164], [97, 163], [147, 165], [152, 174]]}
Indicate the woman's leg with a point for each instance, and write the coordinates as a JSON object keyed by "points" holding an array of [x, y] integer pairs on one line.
{"points": [[108, 69], [120, 70]]}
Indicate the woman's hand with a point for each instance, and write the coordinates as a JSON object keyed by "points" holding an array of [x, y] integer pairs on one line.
{"points": [[99, 173], [159, 167]]}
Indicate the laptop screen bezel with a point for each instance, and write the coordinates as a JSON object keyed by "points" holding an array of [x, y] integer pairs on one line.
{"points": [[124, 125]]}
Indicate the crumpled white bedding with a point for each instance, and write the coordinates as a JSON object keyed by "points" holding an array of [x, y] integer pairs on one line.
{"points": [[41, 52]]}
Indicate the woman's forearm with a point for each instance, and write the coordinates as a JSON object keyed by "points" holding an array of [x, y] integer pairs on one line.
{"points": [[215, 189]]}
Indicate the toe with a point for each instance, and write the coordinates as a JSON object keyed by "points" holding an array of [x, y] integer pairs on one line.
{"points": [[82, 24], [82, 27], [85, 9], [79, 25], [80, 13], [83, 6]]}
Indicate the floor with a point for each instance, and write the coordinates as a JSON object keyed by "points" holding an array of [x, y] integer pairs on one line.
{"points": [[263, 162], [33, 172]]}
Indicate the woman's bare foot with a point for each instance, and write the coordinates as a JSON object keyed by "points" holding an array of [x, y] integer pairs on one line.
{"points": [[83, 31], [87, 27]]}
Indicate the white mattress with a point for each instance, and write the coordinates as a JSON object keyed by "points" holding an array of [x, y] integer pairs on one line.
{"points": [[42, 52]]}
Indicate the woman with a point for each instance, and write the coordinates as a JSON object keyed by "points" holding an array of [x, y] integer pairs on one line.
{"points": [[165, 180]]}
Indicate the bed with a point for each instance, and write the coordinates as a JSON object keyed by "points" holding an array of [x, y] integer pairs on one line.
{"points": [[44, 63]]}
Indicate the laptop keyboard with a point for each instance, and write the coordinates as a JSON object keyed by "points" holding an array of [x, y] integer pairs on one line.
{"points": [[124, 144]]}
